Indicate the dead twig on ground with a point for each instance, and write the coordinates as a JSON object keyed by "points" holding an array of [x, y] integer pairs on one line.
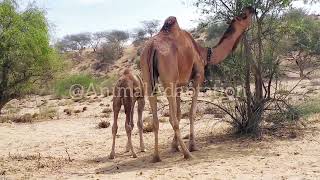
{"points": [[69, 158]]}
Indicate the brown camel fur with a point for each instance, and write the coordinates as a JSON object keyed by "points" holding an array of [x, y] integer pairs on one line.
{"points": [[174, 57], [128, 90]]}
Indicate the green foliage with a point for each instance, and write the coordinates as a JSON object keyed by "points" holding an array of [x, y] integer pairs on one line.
{"points": [[65, 86], [26, 58], [309, 108], [215, 31], [255, 65], [108, 84], [303, 31]]}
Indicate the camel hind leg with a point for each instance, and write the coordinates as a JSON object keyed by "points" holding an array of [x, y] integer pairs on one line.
{"points": [[171, 95], [154, 109], [175, 144]]}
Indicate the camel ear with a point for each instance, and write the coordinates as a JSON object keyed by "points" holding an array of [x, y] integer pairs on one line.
{"points": [[238, 18]]}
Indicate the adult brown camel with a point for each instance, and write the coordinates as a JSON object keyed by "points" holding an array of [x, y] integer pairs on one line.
{"points": [[175, 58]]}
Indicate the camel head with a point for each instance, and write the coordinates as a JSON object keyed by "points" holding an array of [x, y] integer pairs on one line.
{"points": [[244, 20], [232, 36]]}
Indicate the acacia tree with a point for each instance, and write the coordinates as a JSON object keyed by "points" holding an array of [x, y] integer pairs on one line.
{"points": [[97, 39], [117, 36], [75, 42], [151, 26], [25, 54], [257, 59], [113, 48], [139, 36]]}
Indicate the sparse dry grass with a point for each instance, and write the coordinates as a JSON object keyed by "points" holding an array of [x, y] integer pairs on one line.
{"points": [[107, 111], [103, 124], [48, 113], [309, 108]]}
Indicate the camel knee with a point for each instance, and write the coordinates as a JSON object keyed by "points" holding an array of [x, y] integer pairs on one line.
{"points": [[128, 128], [175, 125], [114, 129], [156, 125], [140, 125]]}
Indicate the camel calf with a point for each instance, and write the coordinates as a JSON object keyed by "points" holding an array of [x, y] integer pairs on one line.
{"points": [[128, 90]]}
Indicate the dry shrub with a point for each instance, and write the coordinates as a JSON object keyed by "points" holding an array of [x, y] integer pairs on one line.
{"points": [[107, 110], [48, 113], [214, 111], [68, 112], [185, 115], [210, 110], [105, 116], [163, 120], [27, 118], [103, 124], [166, 113], [109, 52], [147, 125], [84, 109], [6, 119]]}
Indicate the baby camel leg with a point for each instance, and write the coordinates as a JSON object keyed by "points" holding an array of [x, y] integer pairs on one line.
{"points": [[141, 104], [116, 110], [128, 106]]}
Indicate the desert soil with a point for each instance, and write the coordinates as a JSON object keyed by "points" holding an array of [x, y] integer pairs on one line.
{"points": [[72, 147]]}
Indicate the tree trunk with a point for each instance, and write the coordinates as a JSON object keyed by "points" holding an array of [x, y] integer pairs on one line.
{"points": [[247, 78], [258, 77], [254, 105]]}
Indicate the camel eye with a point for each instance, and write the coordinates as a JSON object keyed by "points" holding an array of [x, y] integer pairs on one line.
{"points": [[243, 16]]}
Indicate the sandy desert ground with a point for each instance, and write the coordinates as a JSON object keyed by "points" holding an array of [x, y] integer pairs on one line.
{"points": [[72, 147]]}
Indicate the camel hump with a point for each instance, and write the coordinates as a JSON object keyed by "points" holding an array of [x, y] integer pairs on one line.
{"points": [[169, 23]]}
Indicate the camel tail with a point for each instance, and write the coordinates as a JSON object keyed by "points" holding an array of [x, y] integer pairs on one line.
{"points": [[153, 68]]}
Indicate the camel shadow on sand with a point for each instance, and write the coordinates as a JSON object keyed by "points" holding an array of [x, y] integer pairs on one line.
{"points": [[212, 149]]}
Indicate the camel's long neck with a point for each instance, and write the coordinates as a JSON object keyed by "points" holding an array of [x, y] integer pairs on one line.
{"points": [[224, 48]]}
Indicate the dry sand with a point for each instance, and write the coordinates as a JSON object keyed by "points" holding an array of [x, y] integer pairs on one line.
{"points": [[71, 147]]}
